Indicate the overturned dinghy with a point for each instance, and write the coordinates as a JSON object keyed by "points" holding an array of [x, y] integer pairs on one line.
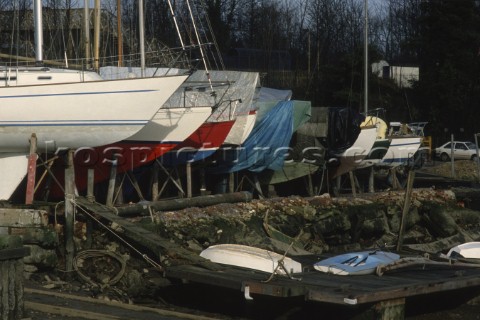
{"points": [[355, 263], [251, 258], [468, 250]]}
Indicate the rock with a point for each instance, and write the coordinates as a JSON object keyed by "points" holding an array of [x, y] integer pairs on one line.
{"points": [[40, 257], [440, 222]]}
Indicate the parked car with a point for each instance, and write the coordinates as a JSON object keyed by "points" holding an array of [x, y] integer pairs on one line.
{"points": [[461, 150]]}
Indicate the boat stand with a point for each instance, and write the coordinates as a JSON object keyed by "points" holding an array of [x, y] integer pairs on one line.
{"points": [[32, 169], [255, 184], [172, 175], [47, 164]]}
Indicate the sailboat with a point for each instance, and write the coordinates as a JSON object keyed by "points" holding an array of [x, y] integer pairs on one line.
{"points": [[394, 145], [69, 109]]}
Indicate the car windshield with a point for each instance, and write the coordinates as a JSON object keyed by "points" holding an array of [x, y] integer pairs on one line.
{"points": [[470, 145]]}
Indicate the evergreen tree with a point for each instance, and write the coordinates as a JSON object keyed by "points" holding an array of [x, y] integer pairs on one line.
{"points": [[448, 90]]}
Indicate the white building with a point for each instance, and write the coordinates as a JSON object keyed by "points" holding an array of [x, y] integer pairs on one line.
{"points": [[403, 76]]}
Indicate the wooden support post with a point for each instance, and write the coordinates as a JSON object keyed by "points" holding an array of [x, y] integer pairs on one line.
{"points": [[452, 158], [390, 310], [189, 179], [69, 213], [231, 182], [111, 183], [371, 181], [135, 184], [90, 185], [477, 159], [91, 198], [156, 171], [357, 184], [203, 185], [32, 169], [406, 207], [393, 176], [352, 183], [258, 187], [118, 190], [311, 192]]}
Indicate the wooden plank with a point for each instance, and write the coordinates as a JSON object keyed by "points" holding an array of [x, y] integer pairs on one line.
{"points": [[321, 287], [68, 312], [23, 217], [357, 296], [101, 304]]}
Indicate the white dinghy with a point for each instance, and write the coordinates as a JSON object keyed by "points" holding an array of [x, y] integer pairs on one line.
{"points": [[356, 263], [251, 258], [468, 250]]}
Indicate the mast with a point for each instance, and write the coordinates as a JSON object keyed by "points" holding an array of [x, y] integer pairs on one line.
{"points": [[96, 38], [119, 33], [37, 12], [142, 36], [365, 45], [86, 32]]}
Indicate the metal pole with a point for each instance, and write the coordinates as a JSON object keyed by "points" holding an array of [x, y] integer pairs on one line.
{"points": [[452, 160], [37, 12], [96, 39], [142, 36], [119, 33], [86, 32], [366, 58], [477, 159]]}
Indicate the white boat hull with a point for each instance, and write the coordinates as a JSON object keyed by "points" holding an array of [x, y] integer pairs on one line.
{"points": [[172, 125], [400, 151], [251, 258], [353, 156], [80, 114], [241, 128], [469, 250], [13, 168]]}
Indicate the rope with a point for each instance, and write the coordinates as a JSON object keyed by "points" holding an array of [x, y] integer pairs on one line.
{"points": [[88, 254], [143, 255]]}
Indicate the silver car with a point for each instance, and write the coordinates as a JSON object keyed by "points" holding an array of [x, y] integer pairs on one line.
{"points": [[461, 150]]}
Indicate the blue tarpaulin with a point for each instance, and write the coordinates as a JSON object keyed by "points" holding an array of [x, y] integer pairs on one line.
{"points": [[266, 146]]}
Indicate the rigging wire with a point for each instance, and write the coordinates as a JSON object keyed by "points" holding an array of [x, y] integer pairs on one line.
{"points": [[200, 45], [176, 24], [214, 39]]}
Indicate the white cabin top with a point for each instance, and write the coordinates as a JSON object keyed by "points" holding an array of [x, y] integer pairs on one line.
{"points": [[27, 76]]}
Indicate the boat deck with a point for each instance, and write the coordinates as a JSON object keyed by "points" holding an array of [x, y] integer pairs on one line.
{"points": [[328, 288]]}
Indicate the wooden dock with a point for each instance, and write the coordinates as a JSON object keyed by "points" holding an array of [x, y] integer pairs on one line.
{"points": [[344, 290], [387, 294]]}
